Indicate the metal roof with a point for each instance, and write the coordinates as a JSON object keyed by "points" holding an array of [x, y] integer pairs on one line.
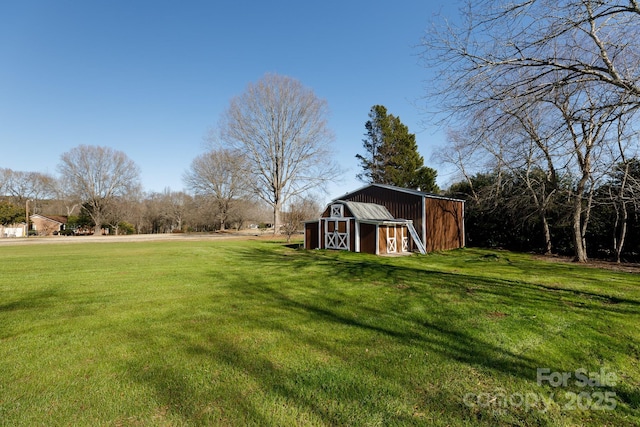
{"points": [[403, 190], [367, 211]]}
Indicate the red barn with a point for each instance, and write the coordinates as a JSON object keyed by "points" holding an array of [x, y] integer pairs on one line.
{"points": [[386, 219]]}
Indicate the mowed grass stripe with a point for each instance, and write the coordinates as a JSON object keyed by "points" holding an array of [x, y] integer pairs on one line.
{"points": [[258, 333]]}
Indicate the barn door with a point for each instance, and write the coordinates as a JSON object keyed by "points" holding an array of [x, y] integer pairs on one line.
{"points": [[405, 240], [392, 242], [337, 234]]}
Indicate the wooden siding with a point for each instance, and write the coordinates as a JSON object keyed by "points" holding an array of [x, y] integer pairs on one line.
{"points": [[311, 235], [352, 235], [368, 238], [401, 205], [440, 225], [445, 228], [382, 239], [346, 213]]}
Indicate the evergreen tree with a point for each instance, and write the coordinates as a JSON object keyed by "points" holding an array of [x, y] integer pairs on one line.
{"points": [[10, 213], [392, 154]]}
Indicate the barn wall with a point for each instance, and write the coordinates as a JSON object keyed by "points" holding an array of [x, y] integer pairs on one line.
{"points": [[352, 235], [311, 235], [445, 224], [401, 205], [346, 213], [382, 239], [401, 231], [368, 238]]}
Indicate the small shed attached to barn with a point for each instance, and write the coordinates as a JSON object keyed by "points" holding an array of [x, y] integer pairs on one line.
{"points": [[360, 227], [413, 220]]}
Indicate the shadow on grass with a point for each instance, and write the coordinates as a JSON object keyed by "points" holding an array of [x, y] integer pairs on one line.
{"points": [[33, 301], [325, 293]]}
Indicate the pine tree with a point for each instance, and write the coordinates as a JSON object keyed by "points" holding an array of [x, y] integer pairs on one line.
{"points": [[392, 154], [373, 164]]}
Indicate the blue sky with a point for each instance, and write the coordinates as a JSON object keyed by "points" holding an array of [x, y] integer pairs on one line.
{"points": [[151, 78]]}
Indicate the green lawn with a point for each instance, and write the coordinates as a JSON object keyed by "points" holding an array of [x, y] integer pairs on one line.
{"points": [[257, 333]]}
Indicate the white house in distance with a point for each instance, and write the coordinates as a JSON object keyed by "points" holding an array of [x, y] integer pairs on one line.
{"points": [[13, 230]]}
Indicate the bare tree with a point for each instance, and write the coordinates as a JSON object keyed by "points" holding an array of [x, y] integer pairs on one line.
{"points": [[68, 201], [222, 175], [300, 209], [121, 209], [281, 127], [156, 218], [98, 175], [23, 186], [4, 179], [577, 59], [178, 203], [624, 187], [584, 41]]}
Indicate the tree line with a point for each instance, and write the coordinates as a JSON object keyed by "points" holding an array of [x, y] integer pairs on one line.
{"points": [[541, 100], [501, 212], [272, 149], [133, 211]]}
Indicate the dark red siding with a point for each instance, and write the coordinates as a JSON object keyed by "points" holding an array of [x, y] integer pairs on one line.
{"points": [[445, 228], [440, 223], [400, 204], [311, 235], [368, 238]]}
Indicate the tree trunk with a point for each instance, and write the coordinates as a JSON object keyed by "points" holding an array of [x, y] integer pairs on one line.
{"points": [[547, 235], [623, 232], [580, 252], [586, 217], [618, 243], [97, 219], [577, 228], [276, 218]]}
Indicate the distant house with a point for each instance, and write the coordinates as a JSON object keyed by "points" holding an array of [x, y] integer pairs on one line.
{"points": [[48, 225], [383, 219], [13, 230]]}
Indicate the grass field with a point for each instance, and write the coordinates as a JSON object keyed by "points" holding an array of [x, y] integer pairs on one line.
{"points": [[258, 333]]}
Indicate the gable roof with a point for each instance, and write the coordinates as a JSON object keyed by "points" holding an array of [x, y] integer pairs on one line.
{"points": [[402, 190], [55, 218], [367, 211]]}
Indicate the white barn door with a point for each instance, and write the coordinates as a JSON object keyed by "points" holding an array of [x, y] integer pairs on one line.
{"points": [[392, 242], [337, 234]]}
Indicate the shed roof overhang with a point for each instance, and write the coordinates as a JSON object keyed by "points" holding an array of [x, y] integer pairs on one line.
{"points": [[386, 221]]}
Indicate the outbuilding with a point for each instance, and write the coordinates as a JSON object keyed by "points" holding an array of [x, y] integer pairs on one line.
{"points": [[384, 219], [359, 227]]}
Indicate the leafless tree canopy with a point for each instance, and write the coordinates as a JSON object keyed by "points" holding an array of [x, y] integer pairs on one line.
{"points": [[540, 85], [544, 42], [299, 210], [281, 128], [220, 174], [98, 175], [21, 186]]}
